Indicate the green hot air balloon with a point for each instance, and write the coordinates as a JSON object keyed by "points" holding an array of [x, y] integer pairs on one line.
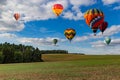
{"points": [[55, 41], [107, 40]]}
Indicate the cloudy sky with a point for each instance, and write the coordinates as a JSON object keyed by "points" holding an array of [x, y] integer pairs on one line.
{"points": [[38, 25]]}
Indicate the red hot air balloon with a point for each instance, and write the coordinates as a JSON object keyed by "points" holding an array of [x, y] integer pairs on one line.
{"points": [[103, 26], [16, 16], [57, 9]]}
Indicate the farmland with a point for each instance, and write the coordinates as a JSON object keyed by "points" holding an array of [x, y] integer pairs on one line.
{"points": [[65, 67]]}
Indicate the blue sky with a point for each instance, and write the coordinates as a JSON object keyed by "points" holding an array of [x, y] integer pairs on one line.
{"points": [[38, 25]]}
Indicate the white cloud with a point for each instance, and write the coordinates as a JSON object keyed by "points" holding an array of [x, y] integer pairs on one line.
{"points": [[10, 26], [75, 13], [82, 2], [7, 35], [98, 47], [36, 41], [114, 29], [98, 44], [36, 10], [107, 2], [28, 9], [12, 38], [45, 30], [116, 8], [39, 41], [114, 42], [82, 38], [101, 47]]}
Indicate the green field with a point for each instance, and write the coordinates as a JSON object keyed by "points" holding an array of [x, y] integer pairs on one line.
{"points": [[65, 67]]}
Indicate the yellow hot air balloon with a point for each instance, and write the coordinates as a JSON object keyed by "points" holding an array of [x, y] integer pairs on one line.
{"points": [[57, 9], [69, 33]]}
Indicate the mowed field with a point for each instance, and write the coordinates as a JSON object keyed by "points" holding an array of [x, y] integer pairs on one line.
{"points": [[65, 67]]}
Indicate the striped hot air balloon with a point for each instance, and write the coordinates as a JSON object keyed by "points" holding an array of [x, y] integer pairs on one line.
{"points": [[69, 33], [94, 18]]}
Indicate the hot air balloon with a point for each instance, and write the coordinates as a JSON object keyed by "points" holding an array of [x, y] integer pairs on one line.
{"points": [[103, 26], [94, 17], [69, 33], [107, 40], [57, 9], [55, 41], [16, 16]]}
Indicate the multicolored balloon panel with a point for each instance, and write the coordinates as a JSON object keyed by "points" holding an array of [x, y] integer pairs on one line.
{"points": [[70, 33], [57, 9], [96, 22]]}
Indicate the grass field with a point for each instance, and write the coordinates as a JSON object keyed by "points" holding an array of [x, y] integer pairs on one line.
{"points": [[65, 67]]}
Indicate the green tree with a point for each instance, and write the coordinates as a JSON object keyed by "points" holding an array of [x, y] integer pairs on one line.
{"points": [[8, 54]]}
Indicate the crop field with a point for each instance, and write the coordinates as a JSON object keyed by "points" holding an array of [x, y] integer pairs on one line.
{"points": [[65, 67]]}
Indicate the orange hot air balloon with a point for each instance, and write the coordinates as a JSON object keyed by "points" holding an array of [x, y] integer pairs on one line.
{"points": [[91, 14], [57, 9], [94, 18], [16, 16]]}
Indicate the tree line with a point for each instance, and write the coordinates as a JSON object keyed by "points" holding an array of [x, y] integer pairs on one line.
{"points": [[12, 53], [54, 51]]}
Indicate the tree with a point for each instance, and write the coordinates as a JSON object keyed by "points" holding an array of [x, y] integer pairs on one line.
{"points": [[36, 56], [8, 54]]}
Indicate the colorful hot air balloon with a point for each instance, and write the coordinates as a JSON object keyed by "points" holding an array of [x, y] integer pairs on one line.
{"points": [[103, 26], [16, 16], [107, 40], [94, 17], [57, 9], [55, 41], [69, 33]]}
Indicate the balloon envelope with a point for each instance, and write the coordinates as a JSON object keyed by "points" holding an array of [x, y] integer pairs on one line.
{"points": [[16, 16], [103, 26], [57, 9], [55, 41], [94, 18], [107, 40], [91, 14], [69, 33]]}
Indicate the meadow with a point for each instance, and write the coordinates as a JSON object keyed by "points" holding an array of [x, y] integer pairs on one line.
{"points": [[65, 67]]}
